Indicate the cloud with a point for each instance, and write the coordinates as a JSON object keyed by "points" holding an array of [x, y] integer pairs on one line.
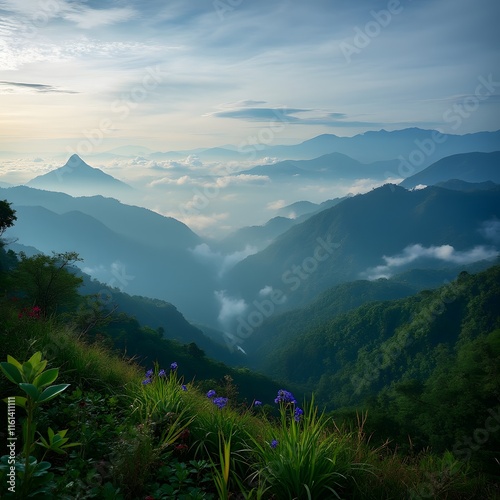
{"points": [[31, 88], [261, 114], [491, 230], [229, 307], [445, 253], [317, 117], [267, 290], [241, 179], [87, 18], [40, 13], [221, 262], [185, 179], [276, 205]]}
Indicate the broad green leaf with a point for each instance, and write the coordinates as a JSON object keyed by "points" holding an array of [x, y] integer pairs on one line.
{"points": [[15, 362], [38, 368], [36, 358], [28, 371], [20, 401], [30, 390], [51, 392], [46, 378], [11, 372]]}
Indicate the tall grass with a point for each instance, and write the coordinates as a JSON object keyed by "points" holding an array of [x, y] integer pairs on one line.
{"points": [[301, 458]]}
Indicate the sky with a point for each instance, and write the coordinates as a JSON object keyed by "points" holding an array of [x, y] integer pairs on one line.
{"points": [[177, 75]]}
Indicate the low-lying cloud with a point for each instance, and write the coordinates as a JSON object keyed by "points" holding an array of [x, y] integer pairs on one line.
{"points": [[229, 307], [444, 253], [221, 262]]}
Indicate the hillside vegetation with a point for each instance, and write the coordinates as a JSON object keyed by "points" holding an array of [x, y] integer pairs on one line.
{"points": [[107, 408]]}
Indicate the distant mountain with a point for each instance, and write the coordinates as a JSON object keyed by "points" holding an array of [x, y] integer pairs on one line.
{"points": [[127, 247], [469, 167], [427, 146], [261, 236], [255, 236], [138, 223], [76, 177], [297, 209], [383, 145], [458, 185], [332, 165], [301, 210], [383, 232]]}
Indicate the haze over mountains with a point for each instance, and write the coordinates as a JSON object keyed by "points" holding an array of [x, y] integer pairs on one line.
{"points": [[296, 247]]}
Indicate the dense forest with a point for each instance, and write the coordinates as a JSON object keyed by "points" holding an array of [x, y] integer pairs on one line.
{"points": [[393, 399]]}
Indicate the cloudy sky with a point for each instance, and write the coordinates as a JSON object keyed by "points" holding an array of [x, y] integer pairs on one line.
{"points": [[177, 74]]}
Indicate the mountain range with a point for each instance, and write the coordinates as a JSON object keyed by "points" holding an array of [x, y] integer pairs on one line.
{"points": [[371, 235], [469, 167]]}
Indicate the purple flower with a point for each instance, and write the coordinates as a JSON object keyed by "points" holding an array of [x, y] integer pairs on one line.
{"points": [[284, 397], [184, 388], [274, 443], [146, 381], [297, 414], [149, 373], [211, 393], [173, 366], [220, 402], [257, 403], [161, 373]]}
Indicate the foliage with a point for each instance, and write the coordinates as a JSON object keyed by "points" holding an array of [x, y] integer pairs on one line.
{"points": [[46, 281], [32, 378], [7, 216]]}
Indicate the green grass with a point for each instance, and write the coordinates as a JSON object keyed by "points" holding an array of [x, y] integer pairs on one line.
{"points": [[161, 440]]}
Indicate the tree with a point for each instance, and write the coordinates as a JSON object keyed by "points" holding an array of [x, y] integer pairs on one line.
{"points": [[7, 216], [47, 281]]}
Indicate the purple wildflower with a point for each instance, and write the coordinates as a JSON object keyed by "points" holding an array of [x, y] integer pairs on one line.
{"points": [[285, 397], [149, 373], [146, 381], [184, 388], [257, 403], [220, 402], [161, 373], [211, 393], [298, 413], [173, 366], [274, 443]]}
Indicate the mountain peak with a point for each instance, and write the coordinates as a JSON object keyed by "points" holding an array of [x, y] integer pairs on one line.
{"points": [[77, 177]]}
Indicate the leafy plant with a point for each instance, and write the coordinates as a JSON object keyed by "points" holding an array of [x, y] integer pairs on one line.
{"points": [[32, 378]]}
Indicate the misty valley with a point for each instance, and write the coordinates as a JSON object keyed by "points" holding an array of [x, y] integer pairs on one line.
{"points": [[223, 318]]}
